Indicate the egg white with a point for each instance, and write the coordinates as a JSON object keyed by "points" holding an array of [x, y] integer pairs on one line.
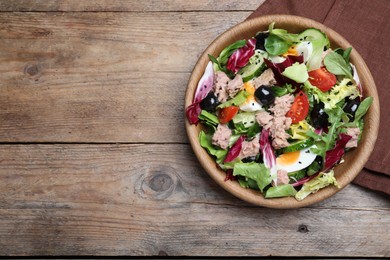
{"points": [[305, 158], [251, 105], [304, 48]]}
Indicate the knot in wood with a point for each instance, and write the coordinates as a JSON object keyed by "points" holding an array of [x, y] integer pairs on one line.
{"points": [[157, 182], [160, 182], [303, 228], [32, 69]]}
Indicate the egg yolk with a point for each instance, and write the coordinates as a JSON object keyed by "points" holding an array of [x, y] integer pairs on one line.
{"points": [[288, 158], [292, 51], [250, 89]]}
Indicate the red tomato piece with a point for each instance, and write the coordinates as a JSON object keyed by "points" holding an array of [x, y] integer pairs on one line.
{"points": [[226, 114], [300, 108], [322, 79]]}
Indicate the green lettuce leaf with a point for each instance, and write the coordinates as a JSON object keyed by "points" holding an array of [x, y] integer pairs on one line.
{"points": [[315, 184], [363, 108], [336, 64], [346, 88], [286, 190], [276, 45], [254, 171], [205, 141], [326, 141], [208, 117]]}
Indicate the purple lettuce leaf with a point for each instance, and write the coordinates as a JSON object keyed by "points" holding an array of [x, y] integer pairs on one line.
{"points": [[278, 68], [333, 156], [234, 150], [241, 56]]}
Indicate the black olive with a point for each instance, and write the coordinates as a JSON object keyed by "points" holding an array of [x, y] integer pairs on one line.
{"points": [[210, 102], [249, 159], [350, 108], [318, 116], [264, 95], [260, 40]]}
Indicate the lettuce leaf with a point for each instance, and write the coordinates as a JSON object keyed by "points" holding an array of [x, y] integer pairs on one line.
{"points": [[336, 64], [320, 181], [205, 83], [206, 143], [326, 140], [278, 68], [241, 56], [253, 171], [208, 118], [346, 88], [285, 190]]}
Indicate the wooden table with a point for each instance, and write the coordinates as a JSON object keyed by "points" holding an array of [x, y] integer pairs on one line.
{"points": [[94, 158]]}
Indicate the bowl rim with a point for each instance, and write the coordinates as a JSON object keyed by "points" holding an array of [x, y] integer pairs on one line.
{"points": [[358, 156]]}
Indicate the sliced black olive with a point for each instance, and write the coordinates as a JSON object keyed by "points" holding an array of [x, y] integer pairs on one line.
{"points": [[264, 95], [318, 116], [210, 102], [260, 40], [350, 108]]}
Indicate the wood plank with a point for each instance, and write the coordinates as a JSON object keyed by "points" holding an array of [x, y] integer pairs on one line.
{"points": [[129, 5], [87, 77], [155, 199], [119, 107]]}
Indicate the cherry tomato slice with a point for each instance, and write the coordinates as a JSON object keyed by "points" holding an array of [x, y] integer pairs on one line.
{"points": [[299, 109], [322, 79], [226, 114]]}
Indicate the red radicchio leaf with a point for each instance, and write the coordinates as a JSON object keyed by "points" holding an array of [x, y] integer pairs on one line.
{"points": [[278, 68], [205, 83], [304, 180], [234, 150], [230, 176], [241, 56], [193, 112], [334, 156], [269, 157]]}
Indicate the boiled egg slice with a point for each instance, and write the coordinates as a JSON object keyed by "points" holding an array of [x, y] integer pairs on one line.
{"points": [[250, 104], [295, 161], [304, 48]]}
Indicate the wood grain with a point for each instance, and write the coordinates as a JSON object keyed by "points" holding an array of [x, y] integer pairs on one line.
{"points": [[100, 77], [155, 199], [129, 5], [89, 75]]}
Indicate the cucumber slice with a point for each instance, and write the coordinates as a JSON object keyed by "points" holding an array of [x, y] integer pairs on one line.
{"points": [[298, 145], [313, 34], [247, 118], [319, 40], [253, 68]]}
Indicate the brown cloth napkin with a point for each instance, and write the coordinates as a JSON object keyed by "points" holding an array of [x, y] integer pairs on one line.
{"points": [[366, 25]]}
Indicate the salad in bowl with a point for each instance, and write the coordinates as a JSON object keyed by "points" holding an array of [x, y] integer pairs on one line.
{"points": [[279, 110]]}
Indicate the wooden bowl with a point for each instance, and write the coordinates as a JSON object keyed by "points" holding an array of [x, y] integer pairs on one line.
{"points": [[354, 160]]}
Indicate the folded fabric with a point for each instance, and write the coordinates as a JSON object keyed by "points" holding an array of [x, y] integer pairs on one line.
{"points": [[365, 24]]}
